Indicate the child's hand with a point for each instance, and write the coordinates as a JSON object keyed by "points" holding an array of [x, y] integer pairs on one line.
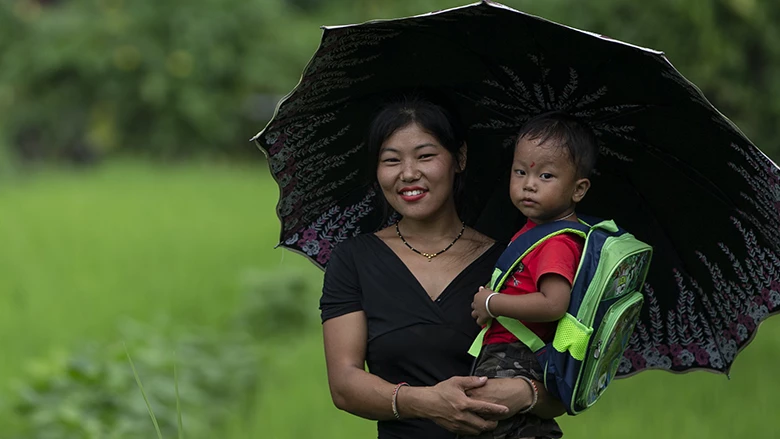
{"points": [[478, 306]]}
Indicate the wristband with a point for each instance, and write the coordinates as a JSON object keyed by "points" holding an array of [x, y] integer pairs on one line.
{"points": [[535, 391], [487, 304], [394, 401]]}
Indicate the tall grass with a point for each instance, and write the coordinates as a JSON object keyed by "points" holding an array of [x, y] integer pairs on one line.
{"points": [[146, 399], [81, 250]]}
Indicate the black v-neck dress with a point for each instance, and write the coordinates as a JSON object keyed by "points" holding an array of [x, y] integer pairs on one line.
{"points": [[410, 337]]}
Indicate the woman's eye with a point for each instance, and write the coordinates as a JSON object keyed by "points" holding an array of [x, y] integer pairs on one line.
{"points": [[390, 160], [426, 156]]}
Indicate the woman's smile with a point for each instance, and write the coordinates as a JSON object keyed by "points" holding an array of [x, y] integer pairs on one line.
{"points": [[414, 193]]}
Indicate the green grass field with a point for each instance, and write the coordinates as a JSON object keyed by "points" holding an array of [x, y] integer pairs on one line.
{"points": [[81, 250]]}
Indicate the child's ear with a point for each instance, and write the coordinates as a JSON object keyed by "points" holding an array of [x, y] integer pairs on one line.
{"points": [[581, 187], [462, 158]]}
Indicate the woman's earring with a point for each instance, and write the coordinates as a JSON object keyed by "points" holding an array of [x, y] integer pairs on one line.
{"points": [[462, 156]]}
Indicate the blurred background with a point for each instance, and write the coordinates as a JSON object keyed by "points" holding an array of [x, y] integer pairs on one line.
{"points": [[136, 218]]}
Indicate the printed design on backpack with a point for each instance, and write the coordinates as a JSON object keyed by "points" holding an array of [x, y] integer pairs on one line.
{"points": [[612, 353], [627, 276]]}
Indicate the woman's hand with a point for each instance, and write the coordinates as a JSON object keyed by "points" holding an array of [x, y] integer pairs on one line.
{"points": [[448, 406], [516, 395]]}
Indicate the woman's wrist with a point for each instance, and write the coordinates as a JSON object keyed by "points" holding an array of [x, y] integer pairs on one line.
{"points": [[547, 406], [410, 401], [534, 394], [394, 398]]}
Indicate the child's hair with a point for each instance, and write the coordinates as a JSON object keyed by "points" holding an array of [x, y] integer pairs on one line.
{"points": [[567, 132]]}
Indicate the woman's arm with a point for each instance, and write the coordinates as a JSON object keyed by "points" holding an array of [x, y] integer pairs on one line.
{"points": [[358, 392], [351, 387]]}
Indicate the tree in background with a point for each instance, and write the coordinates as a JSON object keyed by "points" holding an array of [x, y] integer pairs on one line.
{"points": [[170, 79], [165, 79]]}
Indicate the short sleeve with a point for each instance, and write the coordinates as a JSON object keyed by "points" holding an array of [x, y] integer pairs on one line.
{"points": [[559, 255], [341, 292]]}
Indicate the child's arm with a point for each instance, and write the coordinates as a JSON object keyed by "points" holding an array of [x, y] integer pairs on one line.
{"points": [[547, 305]]}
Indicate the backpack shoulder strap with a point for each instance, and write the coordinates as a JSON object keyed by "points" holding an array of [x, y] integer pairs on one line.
{"points": [[514, 253], [528, 241]]}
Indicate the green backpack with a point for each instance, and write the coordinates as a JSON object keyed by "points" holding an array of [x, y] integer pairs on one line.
{"points": [[606, 301]]}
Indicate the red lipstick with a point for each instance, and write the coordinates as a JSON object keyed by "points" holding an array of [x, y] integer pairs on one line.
{"points": [[418, 193]]}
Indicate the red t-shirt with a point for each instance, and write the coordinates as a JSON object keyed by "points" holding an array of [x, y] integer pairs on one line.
{"points": [[559, 254]]}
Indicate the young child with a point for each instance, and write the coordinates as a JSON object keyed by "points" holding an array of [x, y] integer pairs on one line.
{"points": [[554, 155]]}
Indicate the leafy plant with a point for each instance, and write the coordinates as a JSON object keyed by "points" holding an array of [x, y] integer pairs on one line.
{"points": [[93, 393], [190, 381]]}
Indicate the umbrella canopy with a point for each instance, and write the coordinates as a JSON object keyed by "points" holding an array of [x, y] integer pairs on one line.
{"points": [[672, 169]]}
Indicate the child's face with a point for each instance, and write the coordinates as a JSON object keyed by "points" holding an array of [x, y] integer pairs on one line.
{"points": [[544, 184]]}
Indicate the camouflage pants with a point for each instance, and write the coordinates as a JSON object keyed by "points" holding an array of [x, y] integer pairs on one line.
{"points": [[507, 360]]}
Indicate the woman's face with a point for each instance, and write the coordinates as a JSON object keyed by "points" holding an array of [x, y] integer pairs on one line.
{"points": [[416, 173]]}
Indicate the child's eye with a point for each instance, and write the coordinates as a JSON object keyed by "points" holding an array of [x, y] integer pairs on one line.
{"points": [[519, 172], [546, 176]]}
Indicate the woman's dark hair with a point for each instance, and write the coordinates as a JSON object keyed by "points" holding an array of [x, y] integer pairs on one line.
{"points": [[568, 132], [433, 118]]}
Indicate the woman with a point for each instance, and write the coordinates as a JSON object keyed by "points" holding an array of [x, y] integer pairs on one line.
{"points": [[399, 300]]}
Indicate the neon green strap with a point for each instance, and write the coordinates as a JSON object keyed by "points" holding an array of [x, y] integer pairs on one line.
{"points": [[522, 333], [476, 346], [518, 329]]}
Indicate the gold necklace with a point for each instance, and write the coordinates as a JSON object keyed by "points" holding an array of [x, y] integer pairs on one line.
{"points": [[429, 255]]}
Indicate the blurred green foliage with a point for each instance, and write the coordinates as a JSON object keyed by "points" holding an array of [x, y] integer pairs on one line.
{"points": [[279, 306], [85, 78], [92, 392]]}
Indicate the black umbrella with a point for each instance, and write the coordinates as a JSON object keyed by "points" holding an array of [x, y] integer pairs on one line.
{"points": [[672, 169]]}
